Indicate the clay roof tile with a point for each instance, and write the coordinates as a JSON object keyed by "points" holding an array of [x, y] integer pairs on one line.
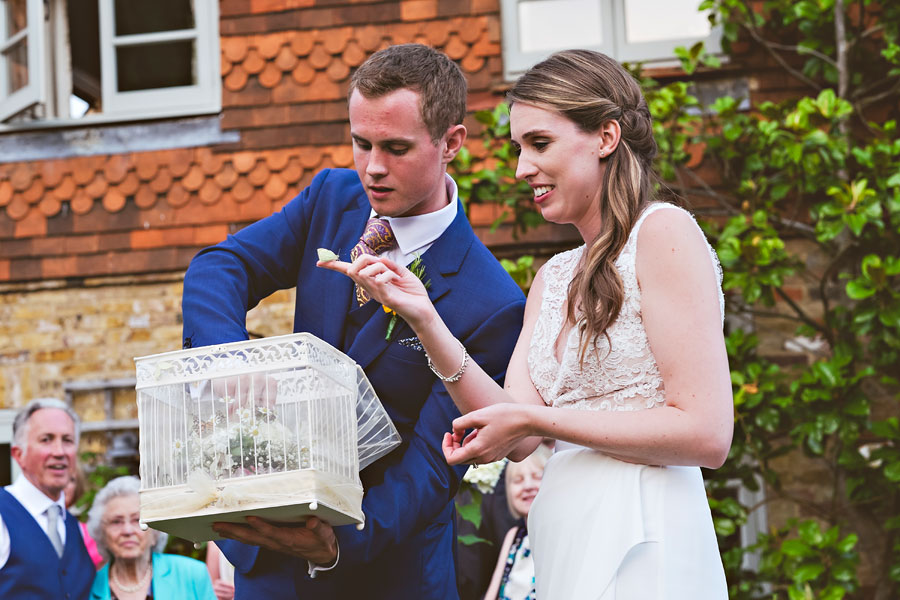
{"points": [[403, 33], [114, 201], [97, 187], [210, 162], [471, 31], [177, 196], [34, 192], [270, 76], [253, 63], [310, 157], [225, 65], [52, 171], [286, 59], [21, 176], [130, 184], [210, 192], [319, 58], [293, 171], [146, 165], [244, 161], [259, 174], [116, 167], [237, 79], [81, 203], [370, 37], [338, 71], [472, 62], [353, 54], [242, 190], [302, 43], [66, 188], [269, 45], [455, 48], [275, 187], [163, 180], [17, 209], [145, 197], [437, 32], [484, 47], [234, 48], [49, 205], [226, 177], [277, 159], [323, 88], [342, 156], [84, 168], [180, 160], [335, 40], [303, 73], [194, 179], [6, 192]]}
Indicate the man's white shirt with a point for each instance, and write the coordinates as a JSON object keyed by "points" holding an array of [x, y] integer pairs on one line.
{"points": [[416, 234], [36, 503]]}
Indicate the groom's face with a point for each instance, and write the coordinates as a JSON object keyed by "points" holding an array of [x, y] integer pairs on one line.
{"points": [[401, 168]]}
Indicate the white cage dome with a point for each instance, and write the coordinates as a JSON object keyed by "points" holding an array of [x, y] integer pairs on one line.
{"points": [[277, 427]]}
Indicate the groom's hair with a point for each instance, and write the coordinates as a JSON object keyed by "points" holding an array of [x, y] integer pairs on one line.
{"points": [[432, 74]]}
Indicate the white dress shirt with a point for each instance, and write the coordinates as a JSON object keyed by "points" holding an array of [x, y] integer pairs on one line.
{"points": [[416, 234], [36, 503]]}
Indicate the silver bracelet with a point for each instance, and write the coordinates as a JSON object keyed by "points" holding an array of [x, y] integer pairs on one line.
{"points": [[462, 368]]}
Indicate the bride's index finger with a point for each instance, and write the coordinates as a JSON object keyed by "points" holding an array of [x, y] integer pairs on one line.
{"points": [[335, 265]]}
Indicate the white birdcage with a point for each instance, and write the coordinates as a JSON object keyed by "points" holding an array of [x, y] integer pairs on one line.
{"points": [[277, 428]]}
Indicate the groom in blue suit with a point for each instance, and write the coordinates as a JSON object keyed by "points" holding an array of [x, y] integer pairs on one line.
{"points": [[406, 108]]}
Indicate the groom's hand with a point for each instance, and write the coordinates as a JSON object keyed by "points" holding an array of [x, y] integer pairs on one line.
{"points": [[313, 541]]}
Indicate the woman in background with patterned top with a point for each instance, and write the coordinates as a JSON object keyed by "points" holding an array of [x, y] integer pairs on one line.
{"points": [[513, 577], [621, 356]]}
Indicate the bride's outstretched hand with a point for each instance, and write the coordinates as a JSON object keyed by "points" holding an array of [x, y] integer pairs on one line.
{"points": [[389, 283], [499, 431]]}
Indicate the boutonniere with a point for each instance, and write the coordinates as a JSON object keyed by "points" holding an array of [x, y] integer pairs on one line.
{"points": [[418, 269]]}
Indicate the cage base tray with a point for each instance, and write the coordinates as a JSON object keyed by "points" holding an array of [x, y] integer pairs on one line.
{"points": [[198, 528]]}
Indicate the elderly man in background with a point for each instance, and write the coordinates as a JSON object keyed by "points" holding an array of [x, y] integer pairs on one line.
{"points": [[42, 553]]}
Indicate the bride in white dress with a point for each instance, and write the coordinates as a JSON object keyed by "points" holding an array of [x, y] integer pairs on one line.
{"points": [[621, 356]]}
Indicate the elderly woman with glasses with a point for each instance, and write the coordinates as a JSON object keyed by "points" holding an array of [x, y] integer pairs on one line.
{"points": [[137, 569]]}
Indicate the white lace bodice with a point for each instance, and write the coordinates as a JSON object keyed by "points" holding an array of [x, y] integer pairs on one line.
{"points": [[621, 375]]}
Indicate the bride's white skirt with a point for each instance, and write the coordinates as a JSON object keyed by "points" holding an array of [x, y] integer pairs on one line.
{"points": [[605, 529]]}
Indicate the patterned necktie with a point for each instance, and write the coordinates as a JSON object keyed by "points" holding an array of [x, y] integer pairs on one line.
{"points": [[376, 238], [53, 530]]}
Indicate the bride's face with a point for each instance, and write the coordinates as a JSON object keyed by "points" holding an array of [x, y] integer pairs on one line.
{"points": [[522, 485], [561, 163]]}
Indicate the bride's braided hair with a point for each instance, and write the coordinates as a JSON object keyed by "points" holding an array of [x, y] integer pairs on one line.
{"points": [[589, 88]]}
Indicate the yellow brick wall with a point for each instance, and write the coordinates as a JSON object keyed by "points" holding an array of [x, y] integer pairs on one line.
{"points": [[58, 334]]}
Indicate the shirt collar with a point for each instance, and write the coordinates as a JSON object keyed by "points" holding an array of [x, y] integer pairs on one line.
{"points": [[413, 234], [32, 499]]}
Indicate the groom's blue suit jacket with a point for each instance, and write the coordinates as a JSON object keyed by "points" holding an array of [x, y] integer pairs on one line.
{"points": [[407, 547]]}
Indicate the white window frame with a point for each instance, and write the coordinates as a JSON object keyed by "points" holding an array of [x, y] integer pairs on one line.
{"points": [[49, 46], [204, 96], [33, 93], [615, 45]]}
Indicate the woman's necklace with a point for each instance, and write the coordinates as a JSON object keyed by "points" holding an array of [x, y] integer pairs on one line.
{"points": [[128, 589]]}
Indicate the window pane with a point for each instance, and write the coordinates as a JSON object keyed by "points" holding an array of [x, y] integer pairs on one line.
{"points": [[16, 59], [546, 25], [16, 16], [152, 66], [672, 20], [157, 15]]}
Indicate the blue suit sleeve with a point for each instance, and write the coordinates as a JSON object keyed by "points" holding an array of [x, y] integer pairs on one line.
{"points": [[418, 484]]}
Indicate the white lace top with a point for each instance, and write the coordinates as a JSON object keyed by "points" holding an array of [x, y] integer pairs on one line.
{"points": [[622, 375]]}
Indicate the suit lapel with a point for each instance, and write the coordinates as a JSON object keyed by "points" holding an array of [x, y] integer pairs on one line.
{"points": [[443, 258], [341, 295]]}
